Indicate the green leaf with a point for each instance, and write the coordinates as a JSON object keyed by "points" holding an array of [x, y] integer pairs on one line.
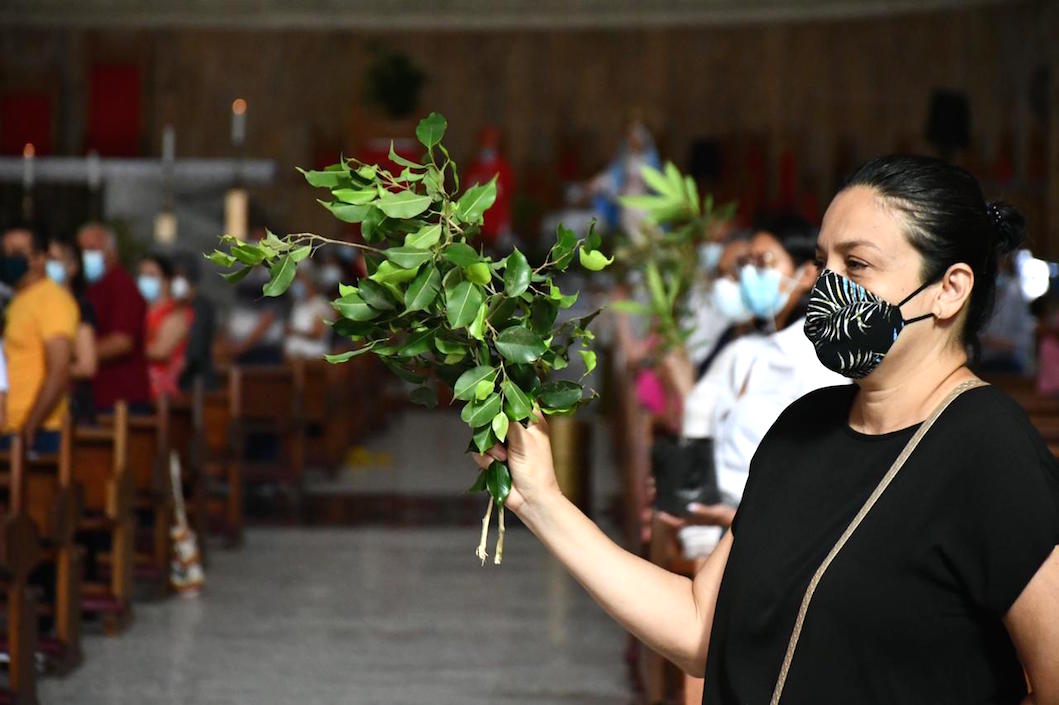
{"points": [[560, 395], [589, 358], [480, 484], [447, 347], [477, 328], [406, 257], [542, 316], [300, 253], [355, 196], [418, 343], [465, 386], [354, 307], [425, 396], [593, 260], [658, 182], [480, 413], [398, 159], [483, 439], [368, 171], [376, 295], [424, 238], [479, 273], [282, 276], [328, 179], [483, 389], [498, 482], [248, 254], [221, 259], [423, 290], [349, 354], [431, 129], [347, 213], [389, 273], [516, 274], [500, 425], [462, 254], [520, 344], [517, 403], [373, 220], [475, 201], [461, 304], [236, 277], [403, 204]]}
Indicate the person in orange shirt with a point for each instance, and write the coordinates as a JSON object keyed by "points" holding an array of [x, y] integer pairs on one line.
{"points": [[41, 323]]}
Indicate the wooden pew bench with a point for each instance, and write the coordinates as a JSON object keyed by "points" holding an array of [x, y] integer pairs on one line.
{"points": [[147, 462], [106, 528], [20, 553], [222, 483], [50, 500]]}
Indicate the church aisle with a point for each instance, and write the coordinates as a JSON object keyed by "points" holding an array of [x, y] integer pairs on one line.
{"points": [[368, 616]]}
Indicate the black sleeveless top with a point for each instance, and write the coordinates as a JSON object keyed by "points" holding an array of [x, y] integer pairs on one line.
{"points": [[910, 610]]}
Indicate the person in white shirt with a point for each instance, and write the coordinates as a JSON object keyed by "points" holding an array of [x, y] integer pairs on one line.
{"points": [[307, 330], [756, 377]]}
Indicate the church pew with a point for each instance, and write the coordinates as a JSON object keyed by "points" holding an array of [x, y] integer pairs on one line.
{"points": [[223, 485], [266, 401], [327, 391], [186, 437], [20, 553], [147, 458], [99, 461], [51, 502]]}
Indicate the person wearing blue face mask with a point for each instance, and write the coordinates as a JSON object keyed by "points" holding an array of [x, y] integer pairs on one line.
{"points": [[168, 324], [120, 315]]}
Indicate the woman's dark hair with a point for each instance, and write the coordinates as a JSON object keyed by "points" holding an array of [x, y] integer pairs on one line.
{"points": [[796, 234], [163, 262], [947, 220], [77, 282]]}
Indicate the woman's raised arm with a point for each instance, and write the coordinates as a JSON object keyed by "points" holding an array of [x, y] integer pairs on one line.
{"points": [[668, 612]]}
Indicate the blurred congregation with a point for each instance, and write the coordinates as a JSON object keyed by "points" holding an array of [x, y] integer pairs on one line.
{"points": [[159, 422]]}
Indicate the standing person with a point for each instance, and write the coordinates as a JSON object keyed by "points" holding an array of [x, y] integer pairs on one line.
{"points": [[38, 342], [121, 316], [64, 268], [168, 324], [948, 586], [198, 355], [308, 335]]}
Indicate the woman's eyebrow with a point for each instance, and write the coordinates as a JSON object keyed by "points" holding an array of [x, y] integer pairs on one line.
{"points": [[847, 245]]}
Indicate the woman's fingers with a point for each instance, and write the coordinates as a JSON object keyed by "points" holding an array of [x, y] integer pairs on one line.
{"points": [[498, 452], [482, 461]]}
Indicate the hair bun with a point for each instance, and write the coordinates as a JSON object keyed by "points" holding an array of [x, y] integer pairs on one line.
{"points": [[1009, 225]]}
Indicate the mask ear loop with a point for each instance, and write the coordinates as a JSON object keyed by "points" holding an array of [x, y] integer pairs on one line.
{"points": [[911, 296]]}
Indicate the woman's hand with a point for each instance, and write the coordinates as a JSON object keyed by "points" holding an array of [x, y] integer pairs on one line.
{"points": [[529, 459]]}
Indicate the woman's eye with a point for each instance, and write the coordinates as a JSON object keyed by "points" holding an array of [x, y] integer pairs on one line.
{"points": [[855, 265]]}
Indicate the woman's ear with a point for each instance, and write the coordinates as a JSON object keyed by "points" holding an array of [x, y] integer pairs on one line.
{"points": [[956, 285]]}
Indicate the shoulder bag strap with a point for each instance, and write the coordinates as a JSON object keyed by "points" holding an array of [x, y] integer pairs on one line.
{"points": [[868, 504]]}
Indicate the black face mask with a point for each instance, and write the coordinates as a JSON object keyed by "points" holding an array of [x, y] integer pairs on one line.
{"points": [[852, 328], [13, 268]]}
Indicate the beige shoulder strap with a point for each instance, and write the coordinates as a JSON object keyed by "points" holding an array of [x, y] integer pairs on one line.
{"points": [[868, 504]]}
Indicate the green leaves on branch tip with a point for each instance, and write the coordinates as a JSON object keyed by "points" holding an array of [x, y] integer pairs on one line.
{"points": [[407, 257], [282, 274], [403, 204], [481, 412], [517, 403], [461, 254], [423, 289], [431, 129]]}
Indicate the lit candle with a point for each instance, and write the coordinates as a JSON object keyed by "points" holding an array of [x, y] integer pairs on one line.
{"points": [[94, 169], [28, 154], [238, 121], [168, 144]]}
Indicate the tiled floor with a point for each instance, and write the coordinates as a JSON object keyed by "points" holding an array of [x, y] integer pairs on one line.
{"points": [[370, 615], [362, 616]]}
